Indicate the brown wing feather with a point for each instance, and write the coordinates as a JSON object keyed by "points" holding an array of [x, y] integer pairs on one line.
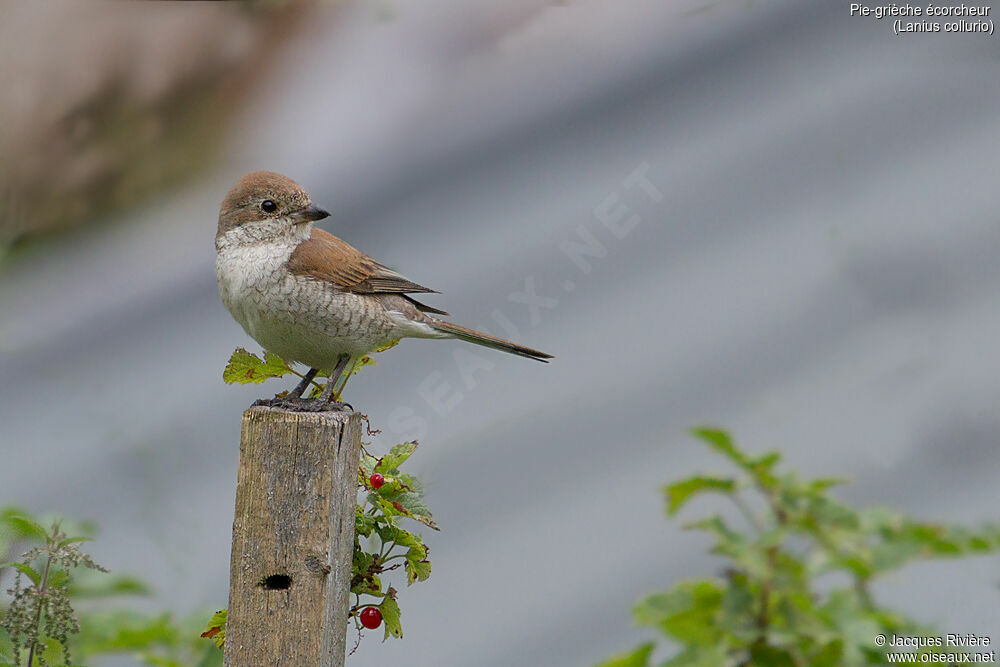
{"points": [[424, 308], [326, 257]]}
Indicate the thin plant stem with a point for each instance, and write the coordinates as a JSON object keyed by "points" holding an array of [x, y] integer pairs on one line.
{"points": [[38, 614]]}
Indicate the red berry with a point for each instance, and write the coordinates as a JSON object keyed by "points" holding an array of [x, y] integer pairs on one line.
{"points": [[371, 617], [377, 480]]}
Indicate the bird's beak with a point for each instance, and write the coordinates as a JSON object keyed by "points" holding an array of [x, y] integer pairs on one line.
{"points": [[308, 214]]}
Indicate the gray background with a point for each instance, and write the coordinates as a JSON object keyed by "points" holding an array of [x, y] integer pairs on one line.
{"points": [[819, 276]]}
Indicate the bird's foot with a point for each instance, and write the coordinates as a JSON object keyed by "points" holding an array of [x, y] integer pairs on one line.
{"points": [[303, 404]]}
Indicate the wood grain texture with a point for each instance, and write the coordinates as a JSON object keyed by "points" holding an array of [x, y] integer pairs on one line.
{"points": [[293, 537]]}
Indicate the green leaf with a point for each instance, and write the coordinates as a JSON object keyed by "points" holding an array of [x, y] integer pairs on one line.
{"points": [[26, 569], [417, 571], [115, 631], [830, 655], [823, 483], [360, 363], [637, 657], [687, 612], [415, 508], [396, 456], [386, 532], [385, 506], [416, 553], [723, 443], [395, 501], [738, 608], [363, 523], [404, 538], [728, 539], [363, 578], [246, 368], [411, 483], [390, 616], [104, 586], [6, 648], [766, 655], [216, 628], [361, 562], [73, 540], [858, 630], [713, 655], [679, 493], [765, 461], [374, 586], [28, 527], [9, 532], [829, 514], [57, 579], [368, 463]]}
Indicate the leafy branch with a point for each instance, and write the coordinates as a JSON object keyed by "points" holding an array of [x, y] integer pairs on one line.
{"points": [[381, 544], [248, 368], [378, 537], [387, 496], [104, 627], [776, 602], [40, 612]]}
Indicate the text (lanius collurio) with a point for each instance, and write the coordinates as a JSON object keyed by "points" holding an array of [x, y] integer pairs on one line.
{"points": [[931, 18]]}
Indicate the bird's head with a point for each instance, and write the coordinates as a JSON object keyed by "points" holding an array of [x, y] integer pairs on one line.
{"points": [[264, 205]]}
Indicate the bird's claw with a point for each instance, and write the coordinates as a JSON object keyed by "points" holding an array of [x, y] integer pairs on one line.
{"points": [[303, 404]]}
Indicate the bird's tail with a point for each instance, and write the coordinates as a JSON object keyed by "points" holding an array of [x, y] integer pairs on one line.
{"points": [[486, 340]]}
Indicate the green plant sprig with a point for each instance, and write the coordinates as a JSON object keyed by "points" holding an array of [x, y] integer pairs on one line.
{"points": [[379, 539], [104, 627], [248, 368], [381, 544], [777, 602], [40, 612]]}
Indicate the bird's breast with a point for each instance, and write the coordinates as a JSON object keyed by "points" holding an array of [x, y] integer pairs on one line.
{"points": [[297, 317], [251, 275]]}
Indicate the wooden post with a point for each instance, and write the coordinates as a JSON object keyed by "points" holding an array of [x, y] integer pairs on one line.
{"points": [[293, 538]]}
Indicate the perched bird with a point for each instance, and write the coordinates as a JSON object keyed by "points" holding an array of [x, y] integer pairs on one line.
{"points": [[311, 298]]}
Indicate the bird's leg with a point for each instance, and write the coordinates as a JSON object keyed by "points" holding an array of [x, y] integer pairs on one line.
{"points": [[338, 389], [335, 374], [293, 400], [302, 386]]}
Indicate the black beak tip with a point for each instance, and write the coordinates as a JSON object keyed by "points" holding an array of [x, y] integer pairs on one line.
{"points": [[309, 214]]}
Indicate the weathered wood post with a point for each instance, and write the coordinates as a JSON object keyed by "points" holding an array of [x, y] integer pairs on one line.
{"points": [[293, 537]]}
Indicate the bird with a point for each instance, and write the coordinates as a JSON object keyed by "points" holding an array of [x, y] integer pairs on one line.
{"points": [[312, 298]]}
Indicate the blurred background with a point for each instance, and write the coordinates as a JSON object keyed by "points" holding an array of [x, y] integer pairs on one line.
{"points": [[770, 216]]}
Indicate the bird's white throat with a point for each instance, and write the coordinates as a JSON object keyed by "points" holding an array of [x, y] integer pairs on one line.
{"points": [[280, 231]]}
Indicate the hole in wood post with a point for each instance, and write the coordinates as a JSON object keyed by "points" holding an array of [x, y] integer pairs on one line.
{"points": [[276, 582]]}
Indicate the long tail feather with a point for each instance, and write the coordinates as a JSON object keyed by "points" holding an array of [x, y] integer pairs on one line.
{"points": [[486, 340]]}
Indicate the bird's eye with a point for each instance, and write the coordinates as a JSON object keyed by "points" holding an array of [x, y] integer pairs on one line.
{"points": [[268, 206]]}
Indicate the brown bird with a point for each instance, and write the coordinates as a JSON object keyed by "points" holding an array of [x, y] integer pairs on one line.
{"points": [[311, 298]]}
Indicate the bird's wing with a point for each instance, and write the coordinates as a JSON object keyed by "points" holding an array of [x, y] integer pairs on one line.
{"points": [[337, 262]]}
